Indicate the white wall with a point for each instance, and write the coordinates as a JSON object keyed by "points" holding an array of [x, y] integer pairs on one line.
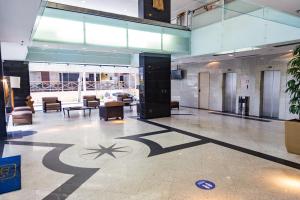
{"points": [[186, 90], [35, 76], [13, 51]]}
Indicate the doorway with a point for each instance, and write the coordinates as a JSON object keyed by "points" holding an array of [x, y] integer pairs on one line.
{"points": [[203, 90], [229, 92], [270, 93]]}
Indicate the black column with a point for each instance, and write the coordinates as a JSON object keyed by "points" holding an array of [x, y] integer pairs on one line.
{"points": [[3, 132], [155, 85], [148, 11], [20, 69]]}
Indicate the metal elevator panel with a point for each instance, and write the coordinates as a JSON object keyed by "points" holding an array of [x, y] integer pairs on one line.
{"points": [[271, 94], [230, 92]]}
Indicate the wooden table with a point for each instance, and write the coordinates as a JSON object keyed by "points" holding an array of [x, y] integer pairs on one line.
{"points": [[84, 108]]}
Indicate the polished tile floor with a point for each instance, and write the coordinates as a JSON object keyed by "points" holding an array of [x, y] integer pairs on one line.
{"points": [[84, 158]]}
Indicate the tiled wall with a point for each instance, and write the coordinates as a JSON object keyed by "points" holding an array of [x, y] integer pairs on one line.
{"points": [[250, 68]]}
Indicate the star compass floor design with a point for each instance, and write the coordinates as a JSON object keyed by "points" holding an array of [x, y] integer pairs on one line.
{"points": [[105, 150]]}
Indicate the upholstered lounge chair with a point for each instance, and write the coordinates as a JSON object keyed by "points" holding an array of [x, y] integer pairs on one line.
{"points": [[51, 103], [91, 101], [113, 109], [21, 117], [127, 99]]}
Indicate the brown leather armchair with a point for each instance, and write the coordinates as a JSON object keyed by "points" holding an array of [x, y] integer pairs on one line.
{"points": [[113, 109], [126, 98], [51, 103], [91, 101]]}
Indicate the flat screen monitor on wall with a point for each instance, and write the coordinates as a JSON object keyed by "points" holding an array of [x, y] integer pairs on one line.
{"points": [[176, 74]]}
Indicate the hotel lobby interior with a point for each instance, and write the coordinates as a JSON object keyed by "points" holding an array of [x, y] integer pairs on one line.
{"points": [[150, 100]]}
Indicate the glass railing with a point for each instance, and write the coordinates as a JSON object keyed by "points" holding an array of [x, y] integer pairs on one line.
{"points": [[65, 27], [235, 8], [240, 25]]}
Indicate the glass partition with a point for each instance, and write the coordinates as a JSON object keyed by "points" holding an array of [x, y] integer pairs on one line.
{"points": [[68, 27], [59, 30], [105, 35], [144, 39], [231, 25]]}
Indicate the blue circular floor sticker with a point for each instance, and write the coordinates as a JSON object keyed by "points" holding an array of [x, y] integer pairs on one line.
{"points": [[205, 185]]}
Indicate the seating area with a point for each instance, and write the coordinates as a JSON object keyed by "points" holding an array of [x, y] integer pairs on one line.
{"points": [[113, 109]]}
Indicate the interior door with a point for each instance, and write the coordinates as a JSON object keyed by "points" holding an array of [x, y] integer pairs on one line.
{"points": [[229, 95], [271, 94], [45, 76], [204, 90]]}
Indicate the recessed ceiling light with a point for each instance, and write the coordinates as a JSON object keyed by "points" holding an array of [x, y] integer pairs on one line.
{"points": [[291, 50], [83, 1], [230, 55]]}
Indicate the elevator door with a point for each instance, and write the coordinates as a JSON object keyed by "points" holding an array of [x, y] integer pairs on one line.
{"points": [[204, 90], [271, 94], [230, 92]]}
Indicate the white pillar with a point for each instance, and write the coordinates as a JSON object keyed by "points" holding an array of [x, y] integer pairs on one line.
{"points": [[84, 81], [95, 80]]}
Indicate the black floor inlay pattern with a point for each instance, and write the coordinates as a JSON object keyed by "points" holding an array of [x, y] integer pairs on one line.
{"points": [[240, 116], [51, 161], [156, 149]]}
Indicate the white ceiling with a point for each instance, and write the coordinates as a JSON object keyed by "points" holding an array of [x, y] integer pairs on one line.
{"points": [[17, 19], [130, 7], [262, 51]]}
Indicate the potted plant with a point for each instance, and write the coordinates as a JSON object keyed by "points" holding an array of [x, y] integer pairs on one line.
{"points": [[292, 127]]}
